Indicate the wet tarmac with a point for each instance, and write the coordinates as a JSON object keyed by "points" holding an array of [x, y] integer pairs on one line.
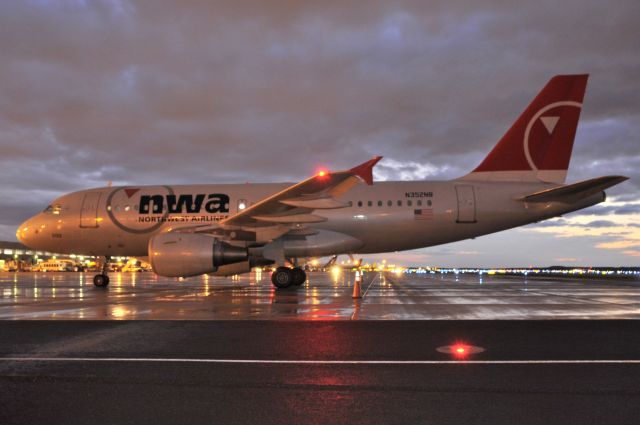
{"points": [[318, 372], [327, 296], [314, 354]]}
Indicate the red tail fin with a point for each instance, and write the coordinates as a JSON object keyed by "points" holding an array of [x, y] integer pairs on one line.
{"points": [[538, 145]]}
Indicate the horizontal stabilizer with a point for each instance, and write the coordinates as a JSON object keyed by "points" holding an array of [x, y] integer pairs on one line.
{"points": [[574, 192]]}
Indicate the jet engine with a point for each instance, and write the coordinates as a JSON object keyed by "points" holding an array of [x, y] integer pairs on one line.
{"points": [[191, 254]]}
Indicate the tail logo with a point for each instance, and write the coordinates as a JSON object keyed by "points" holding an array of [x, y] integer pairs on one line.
{"points": [[549, 123]]}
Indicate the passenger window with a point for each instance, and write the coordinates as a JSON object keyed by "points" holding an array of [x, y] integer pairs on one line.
{"points": [[419, 202], [389, 203], [379, 203], [429, 202], [350, 203], [359, 203], [399, 203], [369, 203], [409, 203]]}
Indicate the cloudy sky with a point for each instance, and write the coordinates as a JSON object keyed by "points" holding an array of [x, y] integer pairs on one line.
{"points": [[154, 92]]}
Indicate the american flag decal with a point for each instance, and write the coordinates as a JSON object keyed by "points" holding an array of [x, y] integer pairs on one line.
{"points": [[423, 214]]}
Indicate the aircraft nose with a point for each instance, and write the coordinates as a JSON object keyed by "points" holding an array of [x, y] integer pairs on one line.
{"points": [[27, 231]]}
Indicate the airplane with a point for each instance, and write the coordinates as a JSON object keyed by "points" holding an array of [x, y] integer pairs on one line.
{"points": [[227, 229]]}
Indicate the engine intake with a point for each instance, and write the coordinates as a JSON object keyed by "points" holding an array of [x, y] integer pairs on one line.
{"points": [[191, 254]]}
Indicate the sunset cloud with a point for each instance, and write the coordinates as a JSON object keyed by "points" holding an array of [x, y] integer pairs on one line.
{"points": [[156, 92]]}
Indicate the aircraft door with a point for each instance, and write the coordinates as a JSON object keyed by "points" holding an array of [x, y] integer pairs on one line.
{"points": [[466, 204], [89, 211]]}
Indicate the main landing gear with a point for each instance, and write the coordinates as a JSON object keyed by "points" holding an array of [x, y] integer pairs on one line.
{"points": [[102, 280], [284, 277]]}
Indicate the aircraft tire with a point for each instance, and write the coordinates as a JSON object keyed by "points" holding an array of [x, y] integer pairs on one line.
{"points": [[101, 280], [282, 277], [299, 276]]}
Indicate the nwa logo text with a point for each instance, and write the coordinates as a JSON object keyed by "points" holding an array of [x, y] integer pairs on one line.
{"points": [[155, 204]]}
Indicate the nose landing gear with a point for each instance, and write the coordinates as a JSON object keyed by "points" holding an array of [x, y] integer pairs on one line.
{"points": [[284, 277], [102, 280]]}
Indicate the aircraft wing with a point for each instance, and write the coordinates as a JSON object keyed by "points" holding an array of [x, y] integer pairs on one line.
{"points": [[574, 192], [295, 205]]}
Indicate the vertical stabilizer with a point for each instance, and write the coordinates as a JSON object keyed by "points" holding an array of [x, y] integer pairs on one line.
{"points": [[538, 145]]}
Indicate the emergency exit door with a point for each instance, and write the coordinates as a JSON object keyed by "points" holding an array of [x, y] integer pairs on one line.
{"points": [[89, 211], [466, 204]]}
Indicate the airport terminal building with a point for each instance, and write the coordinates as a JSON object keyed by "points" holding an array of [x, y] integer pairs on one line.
{"points": [[15, 256]]}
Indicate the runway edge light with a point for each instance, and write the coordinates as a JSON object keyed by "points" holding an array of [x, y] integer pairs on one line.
{"points": [[460, 350]]}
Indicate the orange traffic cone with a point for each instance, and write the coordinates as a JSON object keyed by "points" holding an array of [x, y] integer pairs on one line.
{"points": [[357, 293]]}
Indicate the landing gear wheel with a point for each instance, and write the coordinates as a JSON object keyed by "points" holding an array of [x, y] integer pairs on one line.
{"points": [[299, 276], [282, 277], [101, 280]]}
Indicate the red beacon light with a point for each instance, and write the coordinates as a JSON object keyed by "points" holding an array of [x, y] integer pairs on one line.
{"points": [[322, 174]]}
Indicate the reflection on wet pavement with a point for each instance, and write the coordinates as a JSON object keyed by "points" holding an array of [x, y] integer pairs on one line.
{"points": [[325, 296]]}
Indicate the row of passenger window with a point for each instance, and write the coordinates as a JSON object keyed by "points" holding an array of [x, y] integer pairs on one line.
{"points": [[399, 203], [125, 207]]}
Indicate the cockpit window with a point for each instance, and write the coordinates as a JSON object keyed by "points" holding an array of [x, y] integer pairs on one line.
{"points": [[53, 209]]}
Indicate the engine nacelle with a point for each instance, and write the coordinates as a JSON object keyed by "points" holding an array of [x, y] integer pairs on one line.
{"points": [[191, 254]]}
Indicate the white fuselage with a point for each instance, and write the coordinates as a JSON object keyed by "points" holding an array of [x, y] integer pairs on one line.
{"points": [[387, 216]]}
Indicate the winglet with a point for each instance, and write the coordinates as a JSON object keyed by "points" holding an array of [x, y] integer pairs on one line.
{"points": [[365, 170]]}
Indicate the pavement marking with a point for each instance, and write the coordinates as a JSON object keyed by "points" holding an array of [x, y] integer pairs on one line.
{"points": [[312, 362], [377, 276]]}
